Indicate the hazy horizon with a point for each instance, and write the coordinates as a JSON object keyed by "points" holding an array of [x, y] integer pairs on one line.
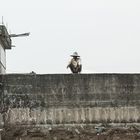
{"points": [[105, 33]]}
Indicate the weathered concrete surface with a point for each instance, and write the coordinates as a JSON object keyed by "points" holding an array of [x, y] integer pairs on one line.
{"points": [[31, 100], [70, 98], [75, 115]]}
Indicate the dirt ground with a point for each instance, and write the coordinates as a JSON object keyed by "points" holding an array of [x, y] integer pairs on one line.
{"points": [[71, 133]]}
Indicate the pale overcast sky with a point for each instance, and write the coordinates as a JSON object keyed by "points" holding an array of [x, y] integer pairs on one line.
{"points": [[105, 33]]}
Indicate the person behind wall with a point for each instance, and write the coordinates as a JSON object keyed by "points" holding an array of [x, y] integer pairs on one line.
{"points": [[75, 63]]}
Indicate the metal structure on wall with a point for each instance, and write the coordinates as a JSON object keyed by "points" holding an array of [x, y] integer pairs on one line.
{"points": [[6, 43]]}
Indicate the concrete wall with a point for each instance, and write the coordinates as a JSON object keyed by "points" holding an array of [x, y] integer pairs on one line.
{"points": [[70, 98]]}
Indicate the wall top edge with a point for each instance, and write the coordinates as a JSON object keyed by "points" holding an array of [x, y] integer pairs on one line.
{"points": [[69, 74]]}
